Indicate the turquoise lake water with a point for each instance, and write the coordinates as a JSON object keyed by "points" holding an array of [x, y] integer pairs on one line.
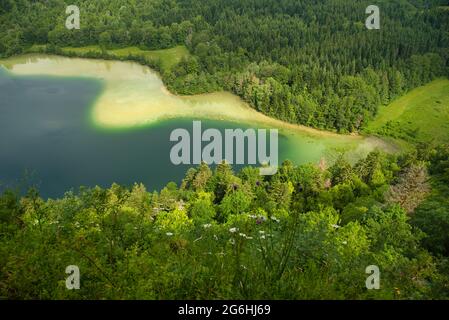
{"points": [[48, 140]]}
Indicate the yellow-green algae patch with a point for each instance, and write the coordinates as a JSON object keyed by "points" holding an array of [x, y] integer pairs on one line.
{"points": [[134, 95]]}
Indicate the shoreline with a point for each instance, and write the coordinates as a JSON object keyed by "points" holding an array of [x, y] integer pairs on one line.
{"points": [[129, 85]]}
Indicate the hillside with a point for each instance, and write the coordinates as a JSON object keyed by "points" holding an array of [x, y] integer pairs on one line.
{"points": [[422, 115], [315, 229], [305, 233], [167, 57], [306, 62]]}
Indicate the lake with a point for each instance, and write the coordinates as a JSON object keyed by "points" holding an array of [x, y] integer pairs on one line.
{"points": [[69, 122]]}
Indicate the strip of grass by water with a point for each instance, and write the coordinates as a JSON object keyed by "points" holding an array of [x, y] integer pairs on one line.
{"points": [[420, 116], [167, 57]]}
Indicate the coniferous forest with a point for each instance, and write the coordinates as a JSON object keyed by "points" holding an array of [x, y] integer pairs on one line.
{"points": [[307, 232], [307, 62]]}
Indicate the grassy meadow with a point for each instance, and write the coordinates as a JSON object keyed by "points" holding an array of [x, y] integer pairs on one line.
{"points": [[167, 57], [422, 115]]}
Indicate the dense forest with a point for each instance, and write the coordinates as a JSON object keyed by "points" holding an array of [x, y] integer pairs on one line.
{"points": [[308, 232], [308, 62]]}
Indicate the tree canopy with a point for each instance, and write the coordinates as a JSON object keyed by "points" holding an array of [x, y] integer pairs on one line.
{"points": [[308, 62]]}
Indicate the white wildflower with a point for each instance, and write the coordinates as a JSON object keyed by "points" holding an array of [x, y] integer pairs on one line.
{"points": [[169, 234], [208, 225], [233, 230], [245, 236]]}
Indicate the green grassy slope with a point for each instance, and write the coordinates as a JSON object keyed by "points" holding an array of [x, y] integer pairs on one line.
{"points": [[168, 57], [422, 115]]}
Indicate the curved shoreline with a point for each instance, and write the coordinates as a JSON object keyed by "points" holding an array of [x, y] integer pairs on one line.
{"points": [[129, 86]]}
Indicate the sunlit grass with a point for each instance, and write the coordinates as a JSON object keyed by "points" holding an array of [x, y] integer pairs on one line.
{"points": [[168, 57], [419, 116]]}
